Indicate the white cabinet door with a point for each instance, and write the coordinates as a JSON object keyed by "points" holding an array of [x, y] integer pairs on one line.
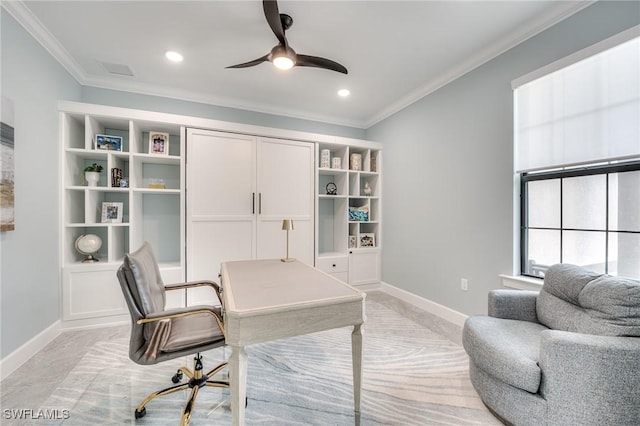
{"points": [[221, 204], [364, 267], [285, 189], [91, 291], [239, 188]]}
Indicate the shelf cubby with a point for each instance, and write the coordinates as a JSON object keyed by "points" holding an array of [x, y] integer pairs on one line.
{"points": [[339, 177], [95, 125], [140, 136], [73, 125], [74, 206], [158, 222], [372, 180], [331, 240], [336, 151], [149, 170]]}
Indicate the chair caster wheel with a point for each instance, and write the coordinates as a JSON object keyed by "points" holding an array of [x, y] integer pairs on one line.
{"points": [[177, 377], [140, 414]]}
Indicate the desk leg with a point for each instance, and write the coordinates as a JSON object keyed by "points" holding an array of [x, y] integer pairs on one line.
{"points": [[238, 383], [356, 353]]}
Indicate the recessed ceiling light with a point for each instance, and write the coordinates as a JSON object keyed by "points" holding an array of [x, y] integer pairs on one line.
{"points": [[173, 56], [343, 93]]}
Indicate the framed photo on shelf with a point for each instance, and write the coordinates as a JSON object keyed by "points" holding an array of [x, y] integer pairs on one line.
{"points": [[367, 240], [352, 241], [158, 143], [112, 212], [108, 142]]}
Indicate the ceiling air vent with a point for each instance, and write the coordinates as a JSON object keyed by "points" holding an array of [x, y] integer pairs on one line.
{"points": [[117, 68]]}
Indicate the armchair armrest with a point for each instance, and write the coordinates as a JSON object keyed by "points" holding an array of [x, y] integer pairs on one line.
{"points": [[191, 284], [513, 304], [182, 312], [589, 379]]}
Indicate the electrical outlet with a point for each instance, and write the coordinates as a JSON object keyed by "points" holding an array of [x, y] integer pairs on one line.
{"points": [[464, 284]]}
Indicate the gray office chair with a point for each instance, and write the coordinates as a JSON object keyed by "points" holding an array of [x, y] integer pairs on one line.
{"points": [[159, 334]]}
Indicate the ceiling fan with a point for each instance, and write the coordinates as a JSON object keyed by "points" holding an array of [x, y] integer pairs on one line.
{"points": [[282, 55]]}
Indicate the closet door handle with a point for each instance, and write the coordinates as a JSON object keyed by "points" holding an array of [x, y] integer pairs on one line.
{"points": [[253, 203], [260, 203]]}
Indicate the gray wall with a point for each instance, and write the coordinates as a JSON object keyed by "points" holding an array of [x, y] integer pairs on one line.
{"points": [[448, 164], [30, 273]]}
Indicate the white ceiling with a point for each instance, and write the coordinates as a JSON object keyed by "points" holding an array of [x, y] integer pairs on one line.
{"points": [[395, 51]]}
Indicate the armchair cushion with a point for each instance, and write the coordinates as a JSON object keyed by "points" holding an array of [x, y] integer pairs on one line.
{"points": [[506, 349], [574, 299]]}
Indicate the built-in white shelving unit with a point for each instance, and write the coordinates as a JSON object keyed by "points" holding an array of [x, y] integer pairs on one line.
{"points": [[349, 234], [152, 206]]}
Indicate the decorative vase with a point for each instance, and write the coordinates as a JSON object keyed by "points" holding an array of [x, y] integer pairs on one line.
{"points": [[92, 178]]}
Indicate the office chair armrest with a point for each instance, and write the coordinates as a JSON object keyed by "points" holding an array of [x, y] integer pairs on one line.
{"points": [[183, 312], [191, 284]]}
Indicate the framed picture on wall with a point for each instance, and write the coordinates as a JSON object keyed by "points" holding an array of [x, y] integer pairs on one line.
{"points": [[367, 240], [158, 143], [111, 212]]}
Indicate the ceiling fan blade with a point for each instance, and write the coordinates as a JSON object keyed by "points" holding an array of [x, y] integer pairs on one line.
{"points": [[315, 61], [272, 14], [251, 63]]}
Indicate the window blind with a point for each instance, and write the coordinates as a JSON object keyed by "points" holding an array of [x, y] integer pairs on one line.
{"points": [[584, 112]]}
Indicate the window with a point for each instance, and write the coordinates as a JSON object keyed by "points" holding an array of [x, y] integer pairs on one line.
{"points": [[577, 160], [588, 216]]}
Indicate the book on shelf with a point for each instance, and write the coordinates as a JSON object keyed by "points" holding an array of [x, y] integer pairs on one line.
{"points": [[116, 177]]}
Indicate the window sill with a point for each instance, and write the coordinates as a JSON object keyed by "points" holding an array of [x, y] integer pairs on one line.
{"points": [[521, 283]]}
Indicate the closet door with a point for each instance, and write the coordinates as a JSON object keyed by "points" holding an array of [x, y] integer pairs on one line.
{"points": [[286, 191], [221, 203]]}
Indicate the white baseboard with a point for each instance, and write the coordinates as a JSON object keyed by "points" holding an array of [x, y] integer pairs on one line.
{"points": [[367, 287], [14, 360], [434, 308], [89, 323]]}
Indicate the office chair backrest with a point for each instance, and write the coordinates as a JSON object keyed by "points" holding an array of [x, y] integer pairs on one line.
{"points": [[143, 290]]}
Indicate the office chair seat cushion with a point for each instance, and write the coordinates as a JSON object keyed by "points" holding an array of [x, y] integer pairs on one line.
{"points": [[192, 331]]}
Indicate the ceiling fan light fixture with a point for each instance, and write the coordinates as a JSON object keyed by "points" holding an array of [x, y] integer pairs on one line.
{"points": [[173, 56], [343, 93], [283, 62]]}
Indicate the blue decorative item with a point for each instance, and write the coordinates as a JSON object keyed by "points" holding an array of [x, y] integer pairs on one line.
{"points": [[359, 214]]}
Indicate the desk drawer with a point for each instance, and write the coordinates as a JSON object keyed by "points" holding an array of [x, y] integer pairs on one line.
{"points": [[333, 264]]}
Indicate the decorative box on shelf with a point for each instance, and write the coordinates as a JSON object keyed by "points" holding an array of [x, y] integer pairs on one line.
{"points": [[156, 184], [325, 158]]}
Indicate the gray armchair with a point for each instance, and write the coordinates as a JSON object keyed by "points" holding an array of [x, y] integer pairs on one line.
{"points": [[569, 355], [158, 335]]}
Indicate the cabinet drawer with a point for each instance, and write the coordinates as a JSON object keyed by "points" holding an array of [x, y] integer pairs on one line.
{"points": [[333, 264]]}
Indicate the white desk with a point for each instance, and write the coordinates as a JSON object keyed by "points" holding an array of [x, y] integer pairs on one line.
{"points": [[268, 299]]}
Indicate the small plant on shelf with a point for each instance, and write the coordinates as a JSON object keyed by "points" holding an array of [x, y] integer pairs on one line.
{"points": [[95, 167], [92, 174]]}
